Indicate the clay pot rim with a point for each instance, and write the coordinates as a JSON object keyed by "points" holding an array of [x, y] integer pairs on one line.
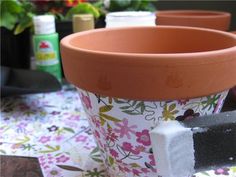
{"points": [[185, 14], [95, 71], [67, 43]]}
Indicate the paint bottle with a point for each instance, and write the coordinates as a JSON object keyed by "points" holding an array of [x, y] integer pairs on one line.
{"points": [[83, 22], [46, 45]]}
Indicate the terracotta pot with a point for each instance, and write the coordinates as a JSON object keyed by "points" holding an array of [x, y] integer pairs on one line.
{"points": [[233, 90], [151, 63], [196, 18], [124, 73]]}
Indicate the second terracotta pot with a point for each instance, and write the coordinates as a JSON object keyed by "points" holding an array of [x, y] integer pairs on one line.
{"points": [[195, 18]]}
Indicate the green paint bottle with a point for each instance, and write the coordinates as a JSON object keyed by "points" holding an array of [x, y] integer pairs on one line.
{"points": [[46, 45]]}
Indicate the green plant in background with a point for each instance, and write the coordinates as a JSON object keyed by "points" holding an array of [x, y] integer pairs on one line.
{"points": [[129, 5], [16, 15]]}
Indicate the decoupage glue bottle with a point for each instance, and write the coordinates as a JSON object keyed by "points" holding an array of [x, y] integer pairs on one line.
{"points": [[46, 45]]}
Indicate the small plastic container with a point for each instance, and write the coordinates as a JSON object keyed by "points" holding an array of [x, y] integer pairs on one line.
{"points": [[130, 18]]}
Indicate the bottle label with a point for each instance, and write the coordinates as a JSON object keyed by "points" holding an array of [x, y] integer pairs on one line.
{"points": [[45, 54]]}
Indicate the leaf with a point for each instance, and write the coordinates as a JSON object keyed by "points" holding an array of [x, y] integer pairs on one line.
{"points": [[9, 13], [69, 129], [50, 149], [70, 168], [24, 140], [119, 101], [134, 165], [125, 107], [97, 160], [102, 121], [172, 107], [107, 117], [94, 151], [105, 108], [131, 112], [111, 160], [2, 151]]}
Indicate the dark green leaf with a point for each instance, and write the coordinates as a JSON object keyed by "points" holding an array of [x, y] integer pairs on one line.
{"points": [[131, 112], [97, 160], [70, 168], [69, 129]]}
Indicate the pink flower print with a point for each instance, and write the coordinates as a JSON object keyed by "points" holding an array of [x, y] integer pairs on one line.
{"points": [[114, 153], [126, 169], [44, 139], [62, 159], [86, 101], [58, 138], [152, 162], [138, 149], [96, 134], [143, 138], [127, 146], [136, 172], [183, 101], [144, 170], [74, 117], [222, 171], [16, 146], [95, 121], [125, 130], [111, 136], [81, 138]]}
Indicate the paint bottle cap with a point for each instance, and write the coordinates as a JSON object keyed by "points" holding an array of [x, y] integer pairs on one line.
{"points": [[44, 24], [83, 22]]}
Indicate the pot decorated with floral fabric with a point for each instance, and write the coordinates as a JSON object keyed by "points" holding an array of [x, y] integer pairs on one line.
{"points": [[131, 78]]}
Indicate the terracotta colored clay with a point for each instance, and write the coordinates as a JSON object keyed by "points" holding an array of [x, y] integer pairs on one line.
{"points": [[196, 18], [151, 63]]}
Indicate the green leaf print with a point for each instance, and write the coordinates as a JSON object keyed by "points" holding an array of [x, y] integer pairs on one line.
{"points": [[211, 102], [105, 117], [50, 149], [95, 155], [131, 107], [69, 129], [168, 113], [2, 151], [95, 173], [105, 108], [23, 141], [111, 160], [70, 168]]}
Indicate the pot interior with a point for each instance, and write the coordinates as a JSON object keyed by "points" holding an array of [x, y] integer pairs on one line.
{"points": [[164, 40]]}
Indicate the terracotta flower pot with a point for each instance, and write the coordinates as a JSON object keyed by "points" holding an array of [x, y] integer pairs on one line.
{"points": [[131, 78], [233, 90], [196, 18]]}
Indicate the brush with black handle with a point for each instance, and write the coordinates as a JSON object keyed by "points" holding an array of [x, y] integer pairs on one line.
{"points": [[203, 143]]}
